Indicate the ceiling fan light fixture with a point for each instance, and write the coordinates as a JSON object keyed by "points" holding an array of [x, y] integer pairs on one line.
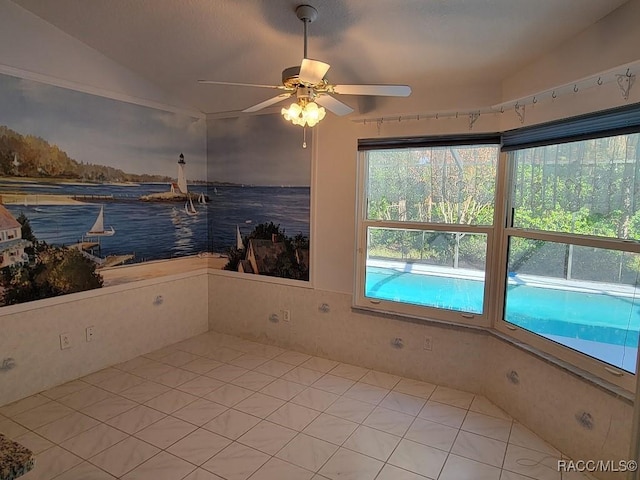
{"points": [[304, 114], [309, 85]]}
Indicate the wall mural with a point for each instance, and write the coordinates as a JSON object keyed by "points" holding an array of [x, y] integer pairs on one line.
{"points": [[259, 211], [93, 191], [88, 184]]}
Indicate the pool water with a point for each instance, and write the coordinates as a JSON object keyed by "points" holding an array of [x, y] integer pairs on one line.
{"points": [[406, 286], [599, 323]]}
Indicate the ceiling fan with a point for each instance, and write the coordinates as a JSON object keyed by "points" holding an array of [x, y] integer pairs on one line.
{"points": [[310, 87]]}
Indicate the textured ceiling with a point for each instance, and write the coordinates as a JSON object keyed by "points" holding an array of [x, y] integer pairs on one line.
{"points": [[422, 43]]}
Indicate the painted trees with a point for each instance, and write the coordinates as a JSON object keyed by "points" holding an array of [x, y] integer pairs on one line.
{"points": [[51, 271]]}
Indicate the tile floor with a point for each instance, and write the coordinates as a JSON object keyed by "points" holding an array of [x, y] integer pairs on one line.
{"points": [[218, 407]]}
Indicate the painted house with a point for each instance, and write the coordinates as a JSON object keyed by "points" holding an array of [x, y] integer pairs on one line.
{"points": [[12, 244], [501, 400], [263, 254]]}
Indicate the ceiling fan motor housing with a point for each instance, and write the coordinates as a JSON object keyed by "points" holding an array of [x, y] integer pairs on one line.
{"points": [[291, 77], [306, 94]]}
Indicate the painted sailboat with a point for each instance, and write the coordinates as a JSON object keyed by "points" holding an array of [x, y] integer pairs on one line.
{"points": [[189, 208], [202, 199], [98, 227], [239, 243]]}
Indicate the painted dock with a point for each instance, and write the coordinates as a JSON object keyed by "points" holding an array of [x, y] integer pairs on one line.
{"points": [[109, 261]]}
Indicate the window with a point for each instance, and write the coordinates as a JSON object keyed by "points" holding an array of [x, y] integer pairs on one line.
{"points": [[535, 233], [573, 259], [427, 228]]}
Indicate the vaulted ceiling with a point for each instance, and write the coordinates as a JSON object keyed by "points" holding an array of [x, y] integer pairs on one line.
{"points": [[427, 44]]}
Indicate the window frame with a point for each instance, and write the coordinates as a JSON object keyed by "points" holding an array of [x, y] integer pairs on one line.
{"points": [[363, 225], [619, 121], [585, 362]]}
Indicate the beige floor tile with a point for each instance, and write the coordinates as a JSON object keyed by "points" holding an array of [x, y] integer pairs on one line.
{"points": [[200, 412], [232, 424], [218, 407], [94, 440], [418, 458], [165, 432], [66, 427], [41, 415], [236, 462], [267, 437], [19, 406], [372, 442], [162, 466], [85, 471], [34, 442], [330, 428], [307, 452], [124, 456], [135, 419], [199, 446], [350, 465]]}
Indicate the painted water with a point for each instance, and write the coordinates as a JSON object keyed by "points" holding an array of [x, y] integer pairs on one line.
{"points": [[153, 231]]}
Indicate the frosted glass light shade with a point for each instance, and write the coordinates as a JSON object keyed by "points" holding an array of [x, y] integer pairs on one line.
{"points": [[304, 115]]}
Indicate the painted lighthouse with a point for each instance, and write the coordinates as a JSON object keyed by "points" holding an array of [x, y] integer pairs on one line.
{"points": [[178, 191], [181, 185]]}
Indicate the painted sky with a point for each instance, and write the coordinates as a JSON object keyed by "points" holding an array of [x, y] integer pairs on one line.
{"points": [[258, 150], [99, 130]]}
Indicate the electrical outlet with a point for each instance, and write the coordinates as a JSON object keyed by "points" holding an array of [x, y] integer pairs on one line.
{"points": [[65, 341], [428, 343], [286, 315], [91, 333]]}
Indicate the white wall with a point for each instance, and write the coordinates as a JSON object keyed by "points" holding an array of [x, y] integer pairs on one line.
{"points": [[549, 401], [610, 42], [243, 307], [35, 49], [128, 321]]}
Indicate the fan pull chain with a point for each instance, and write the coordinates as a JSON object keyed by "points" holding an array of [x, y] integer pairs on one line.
{"points": [[304, 137]]}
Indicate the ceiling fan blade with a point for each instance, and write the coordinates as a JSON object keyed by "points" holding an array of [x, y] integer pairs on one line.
{"points": [[312, 71], [380, 90], [213, 82], [333, 105], [267, 103]]}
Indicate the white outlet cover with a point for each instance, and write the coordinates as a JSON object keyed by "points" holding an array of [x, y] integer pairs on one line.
{"points": [[65, 341]]}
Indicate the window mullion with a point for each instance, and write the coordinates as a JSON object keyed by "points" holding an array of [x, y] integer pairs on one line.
{"points": [[441, 227], [583, 240], [497, 261]]}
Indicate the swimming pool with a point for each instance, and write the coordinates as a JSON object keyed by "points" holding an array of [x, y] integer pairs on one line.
{"points": [[598, 322], [409, 286]]}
